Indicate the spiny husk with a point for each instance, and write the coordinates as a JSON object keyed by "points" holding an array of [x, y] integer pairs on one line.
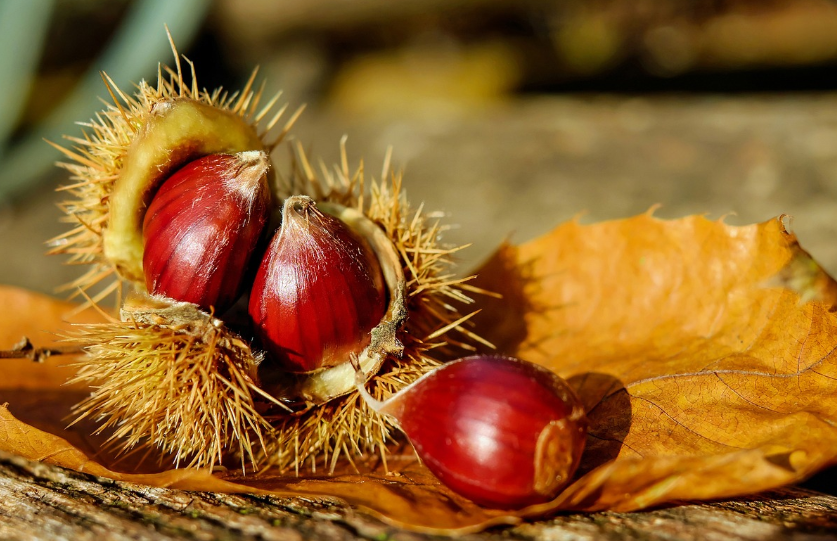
{"points": [[186, 387], [191, 392], [346, 426], [178, 379], [98, 156]]}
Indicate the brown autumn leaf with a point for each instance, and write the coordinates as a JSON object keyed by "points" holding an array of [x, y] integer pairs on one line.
{"points": [[705, 369], [704, 372]]}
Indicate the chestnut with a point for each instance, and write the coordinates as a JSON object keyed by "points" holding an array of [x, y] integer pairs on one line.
{"points": [[319, 291], [503, 432], [202, 227]]}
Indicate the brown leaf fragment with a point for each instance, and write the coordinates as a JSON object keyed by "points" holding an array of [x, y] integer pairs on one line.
{"points": [[29, 442], [34, 322]]}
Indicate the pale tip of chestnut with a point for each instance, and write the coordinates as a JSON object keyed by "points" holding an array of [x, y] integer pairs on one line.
{"points": [[247, 180]]}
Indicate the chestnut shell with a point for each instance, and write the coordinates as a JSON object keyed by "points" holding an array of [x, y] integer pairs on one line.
{"points": [[318, 293], [202, 227], [502, 432]]}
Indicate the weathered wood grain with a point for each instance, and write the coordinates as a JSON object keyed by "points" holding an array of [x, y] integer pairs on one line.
{"points": [[38, 501]]}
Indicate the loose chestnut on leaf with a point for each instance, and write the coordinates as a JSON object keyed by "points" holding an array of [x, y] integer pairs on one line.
{"points": [[202, 227], [502, 432]]}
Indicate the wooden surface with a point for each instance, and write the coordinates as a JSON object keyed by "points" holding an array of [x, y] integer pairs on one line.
{"points": [[38, 501]]}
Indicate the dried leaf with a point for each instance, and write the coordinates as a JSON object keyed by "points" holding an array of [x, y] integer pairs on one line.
{"points": [[704, 354], [703, 372]]}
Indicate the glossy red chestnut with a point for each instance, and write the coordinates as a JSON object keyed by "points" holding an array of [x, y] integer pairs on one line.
{"points": [[502, 432], [318, 292], [202, 227]]}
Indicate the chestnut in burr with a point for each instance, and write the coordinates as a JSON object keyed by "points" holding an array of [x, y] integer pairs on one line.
{"points": [[202, 227]]}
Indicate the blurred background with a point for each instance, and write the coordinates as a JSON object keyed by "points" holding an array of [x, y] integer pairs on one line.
{"points": [[511, 116]]}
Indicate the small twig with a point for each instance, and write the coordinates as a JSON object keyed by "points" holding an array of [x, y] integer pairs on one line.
{"points": [[25, 350]]}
